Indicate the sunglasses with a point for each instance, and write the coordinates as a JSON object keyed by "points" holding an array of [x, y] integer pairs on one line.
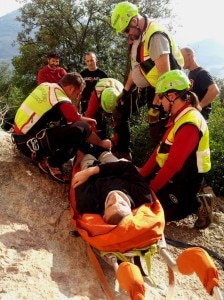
{"points": [[161, 95], [128, 28]]}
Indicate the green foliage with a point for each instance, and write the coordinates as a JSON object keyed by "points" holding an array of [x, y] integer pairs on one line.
{"points": [[5, 80], [216, 121], [26, 68], [10, 97], [73, 28], [140, 138], [220, 84], [5, 87]]}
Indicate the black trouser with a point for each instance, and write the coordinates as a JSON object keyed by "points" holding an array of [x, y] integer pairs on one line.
{"points": [[101, 119], [121, 118], [66, 140], [206, 112], [179, 199], [58, 143]]}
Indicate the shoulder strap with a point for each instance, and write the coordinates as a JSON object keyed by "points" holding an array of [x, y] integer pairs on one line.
{"points": [[173, 62]]}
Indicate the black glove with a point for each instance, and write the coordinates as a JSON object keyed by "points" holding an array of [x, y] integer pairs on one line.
{"points": [[121, 97]]}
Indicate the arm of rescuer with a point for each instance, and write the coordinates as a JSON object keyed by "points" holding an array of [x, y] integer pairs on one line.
{"points": [[93, 105], [71, 114], [159, 48], [178, 154], [128, 85]]}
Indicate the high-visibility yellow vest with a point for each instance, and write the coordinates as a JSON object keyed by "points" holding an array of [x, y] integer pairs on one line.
{"points": [[41, 100], [189, 115], [147, 66]]}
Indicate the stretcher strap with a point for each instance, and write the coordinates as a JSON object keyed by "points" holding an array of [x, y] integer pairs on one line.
{"points": [[146, 253], [99, 271]]}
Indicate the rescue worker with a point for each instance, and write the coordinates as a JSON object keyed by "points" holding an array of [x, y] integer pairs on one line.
{"points": [[177, 167], [49, 129], [103, 104], [102, 101], [153, 52]]}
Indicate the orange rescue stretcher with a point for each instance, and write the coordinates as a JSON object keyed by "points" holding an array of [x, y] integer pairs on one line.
{"points": [[136, 239]]}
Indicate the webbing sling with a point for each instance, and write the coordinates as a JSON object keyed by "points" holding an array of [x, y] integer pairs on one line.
{"points": [[101, 276]]}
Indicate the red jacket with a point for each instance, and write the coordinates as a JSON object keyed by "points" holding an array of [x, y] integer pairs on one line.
{"points": [[93, 105], [178, 154], [48, 75]]}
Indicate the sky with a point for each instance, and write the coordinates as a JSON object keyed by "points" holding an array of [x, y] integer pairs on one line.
{"points": [[8, 6], [196, 19], [200, 20]]}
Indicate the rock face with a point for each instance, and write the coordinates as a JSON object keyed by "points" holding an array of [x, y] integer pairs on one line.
{"points": [[39, 259]]}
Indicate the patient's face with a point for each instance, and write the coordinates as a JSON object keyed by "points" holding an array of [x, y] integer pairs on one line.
{"points": [[116, 203]]}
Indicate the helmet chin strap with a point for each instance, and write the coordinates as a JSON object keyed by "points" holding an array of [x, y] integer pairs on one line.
{"points": [[171, 102], [170, 105]]}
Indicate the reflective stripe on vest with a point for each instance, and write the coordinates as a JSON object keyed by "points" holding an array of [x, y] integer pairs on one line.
{"points": [[153, 75], [190, 115], [41, 100]]}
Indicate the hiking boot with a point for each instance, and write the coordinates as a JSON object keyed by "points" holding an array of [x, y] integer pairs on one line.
{"points": [[204, 211], [55, 172], [43, 166]]}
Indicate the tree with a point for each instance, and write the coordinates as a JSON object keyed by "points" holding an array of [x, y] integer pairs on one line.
{"points": [[73, 27], [220, 84], [9, 97]]}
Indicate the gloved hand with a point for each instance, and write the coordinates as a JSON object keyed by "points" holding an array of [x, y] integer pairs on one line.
{"points": [[153, 114], [121, 97]]}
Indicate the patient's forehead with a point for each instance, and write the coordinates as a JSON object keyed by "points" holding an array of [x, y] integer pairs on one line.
{"points": [[115, 197]]}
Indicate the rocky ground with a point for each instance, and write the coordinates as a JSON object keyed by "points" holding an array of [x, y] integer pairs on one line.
{"points": [[39, 259]]}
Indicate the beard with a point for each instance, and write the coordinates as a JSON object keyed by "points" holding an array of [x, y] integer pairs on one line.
{"points": [[134, 37], [53, 67]]}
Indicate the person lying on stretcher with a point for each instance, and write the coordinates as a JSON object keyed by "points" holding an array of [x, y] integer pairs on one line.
{"points": [[109, 187]]}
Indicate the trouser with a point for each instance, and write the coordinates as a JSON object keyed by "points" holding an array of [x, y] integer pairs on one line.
{"points": [[121, 118], [179, 199], [206, 112], [101, 118], [84, 105], [89, 160], [59, 144]]}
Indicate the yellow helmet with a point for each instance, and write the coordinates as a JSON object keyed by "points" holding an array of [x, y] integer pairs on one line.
{"points": [[172, 80], [109, 99], [122, 15]]}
